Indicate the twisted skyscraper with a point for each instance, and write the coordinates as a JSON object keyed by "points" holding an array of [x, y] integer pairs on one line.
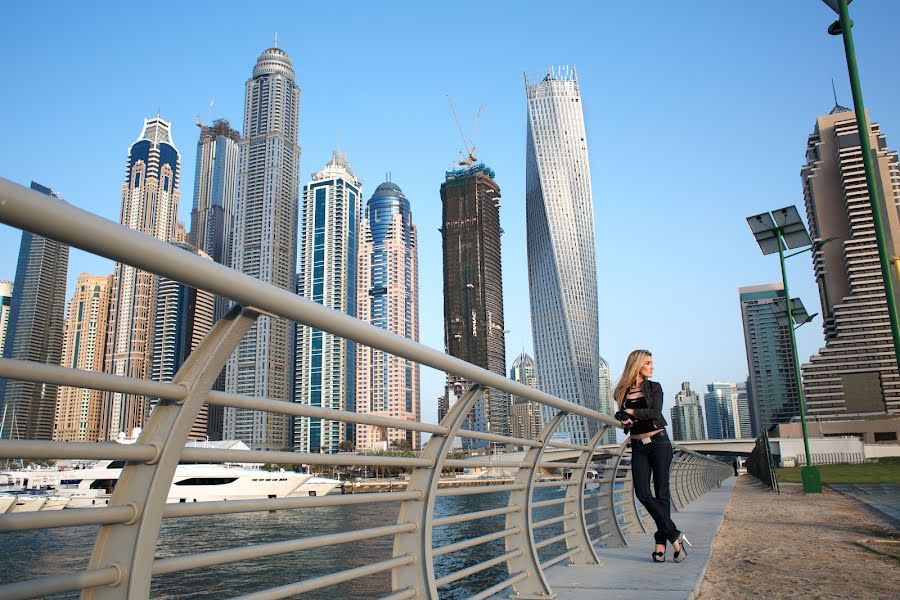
{"points": [[562, 273], [265, 245]]}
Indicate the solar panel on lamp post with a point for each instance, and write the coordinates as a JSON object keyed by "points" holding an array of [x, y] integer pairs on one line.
{"points": [[775, 232]]}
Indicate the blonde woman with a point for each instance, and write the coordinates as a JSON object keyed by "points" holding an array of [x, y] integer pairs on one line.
{"points": [[640, 410]]}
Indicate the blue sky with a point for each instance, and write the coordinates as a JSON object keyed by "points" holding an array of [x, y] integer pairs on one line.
{"points": [[697, 116]]}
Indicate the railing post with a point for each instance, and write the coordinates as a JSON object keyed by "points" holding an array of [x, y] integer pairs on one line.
{"points": [[419, 576], [676, 478], [535, 584], [611, 533], [588, 556], [131, 547]]}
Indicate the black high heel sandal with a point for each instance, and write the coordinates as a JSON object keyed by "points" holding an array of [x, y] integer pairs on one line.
{"points": [[659, 557], [681, 554]]}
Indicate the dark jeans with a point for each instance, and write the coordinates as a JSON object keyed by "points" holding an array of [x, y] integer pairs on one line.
{"points": [[655, 458]]}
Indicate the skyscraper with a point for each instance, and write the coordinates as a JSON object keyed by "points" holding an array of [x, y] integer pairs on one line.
{"points": [[855, 374], [473, 287], [265, 245], [744, 410], [215, 191], [325, 364], [183, 317], [606, 403], [212, 218], [35, 333], [84, 347], [525, 421], [722, 412], [6, 290], [149, 205], [388, 297], [769, 359], [687, 415], [562, 273]]}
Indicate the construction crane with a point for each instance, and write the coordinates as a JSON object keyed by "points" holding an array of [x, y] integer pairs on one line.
{"points": [[468, 151], [199, 121]]}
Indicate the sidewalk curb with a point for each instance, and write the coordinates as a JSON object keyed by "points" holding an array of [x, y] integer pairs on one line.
{"points": [[696, 592]]}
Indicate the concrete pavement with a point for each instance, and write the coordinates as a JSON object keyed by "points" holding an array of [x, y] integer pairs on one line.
{"points": [[629, 574]]}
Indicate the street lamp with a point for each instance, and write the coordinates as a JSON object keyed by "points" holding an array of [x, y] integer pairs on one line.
{"points": [[798, 312], [843, 27], [775, 232]]}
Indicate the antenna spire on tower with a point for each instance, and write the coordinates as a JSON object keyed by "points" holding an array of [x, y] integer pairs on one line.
{"points": [[276, 38]]}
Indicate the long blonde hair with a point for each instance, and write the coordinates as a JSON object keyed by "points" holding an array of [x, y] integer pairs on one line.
{"points": [[629, 374]]}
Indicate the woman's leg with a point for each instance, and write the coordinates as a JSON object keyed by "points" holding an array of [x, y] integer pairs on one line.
{"points": [[640, 476], [660, 462]]}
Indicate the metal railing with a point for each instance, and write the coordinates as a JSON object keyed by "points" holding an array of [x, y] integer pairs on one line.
{"points": [[545, 521], [760, 463]]}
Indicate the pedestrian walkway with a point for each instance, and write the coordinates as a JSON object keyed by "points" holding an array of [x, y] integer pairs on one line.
{"points": [[629, 574], [883, 497]]}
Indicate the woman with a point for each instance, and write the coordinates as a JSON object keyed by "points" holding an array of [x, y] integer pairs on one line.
{"points": [[640, 410]]}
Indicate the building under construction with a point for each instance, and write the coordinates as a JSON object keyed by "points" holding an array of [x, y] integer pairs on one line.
{"points": [[473, 287]]}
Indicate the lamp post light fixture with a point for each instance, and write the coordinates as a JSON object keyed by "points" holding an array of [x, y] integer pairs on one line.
{"points": [[775, 232], [843, 27]]}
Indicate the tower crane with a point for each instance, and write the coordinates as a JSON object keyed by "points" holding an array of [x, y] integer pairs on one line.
{"points": [[468, 151]]}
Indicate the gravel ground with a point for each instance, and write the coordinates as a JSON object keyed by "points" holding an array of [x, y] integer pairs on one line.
{"points": [[798, 546]]}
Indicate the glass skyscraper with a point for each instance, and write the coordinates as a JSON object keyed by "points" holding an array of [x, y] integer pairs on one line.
{"points": [[183, 317], [722, 412], [769, 360], [35, 333], [324, 364], [562, 270], [525, 420], [687, 415], [6, 290], [388, 297], [149, 205], [265, 244]]}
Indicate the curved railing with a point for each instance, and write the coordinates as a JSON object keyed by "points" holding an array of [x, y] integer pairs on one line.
{"points": [[554, 512]]}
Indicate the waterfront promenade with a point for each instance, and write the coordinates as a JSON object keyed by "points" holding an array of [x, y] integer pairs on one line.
{"points": [[628, 574]]}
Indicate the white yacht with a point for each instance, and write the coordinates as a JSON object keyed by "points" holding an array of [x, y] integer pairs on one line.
{"points": [[316, 486], [192, 483]]}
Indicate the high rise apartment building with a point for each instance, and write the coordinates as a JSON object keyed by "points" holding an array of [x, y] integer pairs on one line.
{"points": [[388, 297], [215, 191], [525, 419], [722, 411], [183, 317], [325, 364], [562, 271], [687, 415], [744, 410], [34, 332], [149, 205], [606, 403], [855, 374], [769, 359], [6, 290], [84, 347], [473, 287], [265, 244]]}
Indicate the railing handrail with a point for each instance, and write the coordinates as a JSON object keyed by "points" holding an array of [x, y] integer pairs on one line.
{"points": [[124, 561], [53, 218]]}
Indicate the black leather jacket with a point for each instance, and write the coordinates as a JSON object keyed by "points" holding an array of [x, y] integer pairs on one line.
{"points": [[654, 394]]}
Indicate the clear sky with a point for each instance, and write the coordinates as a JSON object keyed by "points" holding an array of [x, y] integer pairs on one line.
{"points": [[697, 116]]}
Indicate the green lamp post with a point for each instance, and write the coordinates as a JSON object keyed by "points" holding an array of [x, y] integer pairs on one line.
{"points": [[775, 232], [843, 27]]}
